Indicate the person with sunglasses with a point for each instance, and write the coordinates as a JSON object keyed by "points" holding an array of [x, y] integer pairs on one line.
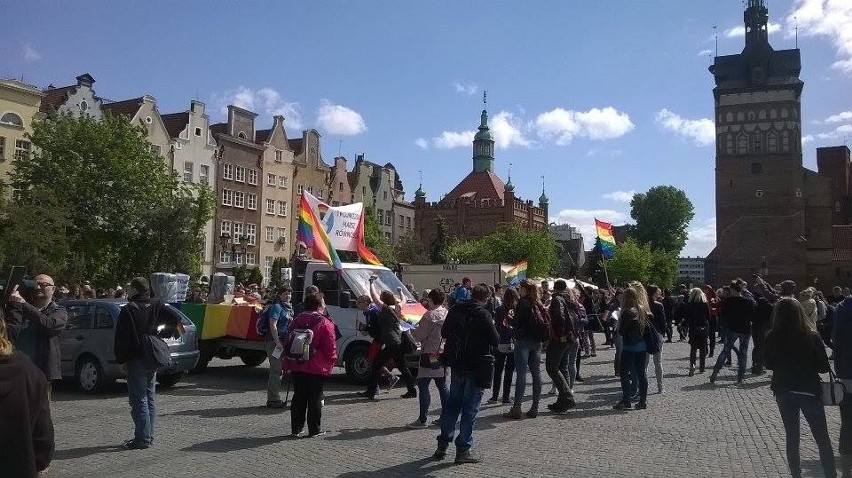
{"points": [[34, 325]]}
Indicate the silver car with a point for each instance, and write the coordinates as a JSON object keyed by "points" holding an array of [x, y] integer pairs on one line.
{"points": [[87, 345]]}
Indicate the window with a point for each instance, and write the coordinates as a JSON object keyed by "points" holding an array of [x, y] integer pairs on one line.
{"points": [[785, 141], [282, 208], [149, 120], [227, 171], [224, 257], [204, 174], [340, 188], [282, 182], [772, 142], [363, 191], [329, 284], [279, 156], [240, 174], [103, 319], [84, 106], [758, 193], [270, 179], [241, 135], [310, 189], [757, 142], [385, 195], [756, 168], [252, 202], [321, 193], [78, 317], [239, 199], [281, 233], [187, 171], [381, 216], [798, 193], [197, 131], [225, 228], [239, 259], [2, 148], [155, 149], [270, 206], [270, 234], [401, 221], [408, 222], [227, 197], [12, 119], [249, 258], [742, 144], [251, 232], [252, 177], [238, 231], [268, 266], [22, 149], [300, 189], [388, 218]]}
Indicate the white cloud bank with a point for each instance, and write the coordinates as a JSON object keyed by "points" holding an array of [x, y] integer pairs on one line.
{"points": [[561, 126], [469, 89], [739, 32], [30, 53], [827, 18], [421, 143], [453, 139], [841, 132], [840, 117], [338, 119], [584, 220], [701, 238], [620, 196], [265, 101], [701, 131]]}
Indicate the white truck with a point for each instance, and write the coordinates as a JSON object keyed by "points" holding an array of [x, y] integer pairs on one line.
{"points": [[444, 276]]}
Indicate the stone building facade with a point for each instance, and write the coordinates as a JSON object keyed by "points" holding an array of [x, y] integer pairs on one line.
{"points": [[310, 173], [480, 203], [79, 98], [277, 195], [19, 106], [143, 112], [773, 216], [339, 190]]}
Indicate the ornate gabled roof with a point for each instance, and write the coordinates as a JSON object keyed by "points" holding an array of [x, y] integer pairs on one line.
{"points": [[483, 185], [124, 107], [54, 98], [175, 123]]}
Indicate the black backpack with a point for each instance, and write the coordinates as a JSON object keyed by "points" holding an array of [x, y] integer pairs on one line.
{"points": [[455, 344]]}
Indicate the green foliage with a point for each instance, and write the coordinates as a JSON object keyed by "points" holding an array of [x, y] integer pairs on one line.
{"points": [[663, 268], [441, 242], [632, 261], [510, 244], [255, 276], [375, 239], [662, 215], [410, 251], [593, 269], [277, 264], [119, 207], [241, 275]]}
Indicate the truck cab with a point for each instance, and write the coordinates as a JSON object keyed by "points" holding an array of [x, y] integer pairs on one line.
{"points": [[340, 292]]}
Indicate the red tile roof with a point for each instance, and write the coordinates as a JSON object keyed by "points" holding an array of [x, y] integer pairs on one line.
{"points": [[175, 123], [842, 243], [124, 107], [218, 128], [54, 98], [484, 185], [262, 135], [296, 145]]}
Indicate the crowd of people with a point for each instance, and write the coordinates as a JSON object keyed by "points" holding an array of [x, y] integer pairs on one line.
{"points": [[477, 339]]}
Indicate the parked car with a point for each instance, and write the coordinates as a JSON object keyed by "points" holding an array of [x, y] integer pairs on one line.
{"points": [[87, 345]]}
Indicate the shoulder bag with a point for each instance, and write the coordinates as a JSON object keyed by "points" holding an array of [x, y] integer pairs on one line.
{"points": [[153, 350], [832, 391]]}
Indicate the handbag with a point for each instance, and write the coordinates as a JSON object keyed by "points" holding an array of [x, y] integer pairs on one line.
{"points": [[506, 348], [832, 391], [431, 361], [653, 343], [154, 350]]}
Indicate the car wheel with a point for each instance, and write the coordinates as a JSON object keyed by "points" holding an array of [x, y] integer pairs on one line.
{"points": [[89, 376], [169, 380], [252, 358], [358, 368]]}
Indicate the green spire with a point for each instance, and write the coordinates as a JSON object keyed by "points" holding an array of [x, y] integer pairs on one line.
{"points": [[509, 186], [483, 145], [542, 201]]}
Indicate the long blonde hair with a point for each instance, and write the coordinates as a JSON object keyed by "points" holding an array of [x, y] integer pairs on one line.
{"points": [[632, 299], [697, 295], [6, 347], [788, 318]]}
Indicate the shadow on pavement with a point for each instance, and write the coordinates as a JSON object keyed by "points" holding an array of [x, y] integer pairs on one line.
{"points": [[224, 445], [422, 467], [231, 412], [361, 433], [72, 453]]}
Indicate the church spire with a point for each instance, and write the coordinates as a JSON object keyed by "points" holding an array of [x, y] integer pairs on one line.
{"points": [[483, 143], [756, 18]]}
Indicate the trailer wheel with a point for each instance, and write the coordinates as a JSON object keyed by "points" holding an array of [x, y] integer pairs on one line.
{"points": [[358, 368]]}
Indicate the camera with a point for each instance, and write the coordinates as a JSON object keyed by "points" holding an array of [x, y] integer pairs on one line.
{"points": [[27, 285]]}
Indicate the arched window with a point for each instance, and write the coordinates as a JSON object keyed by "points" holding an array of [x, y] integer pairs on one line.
{"points": [[729, 117], [12, 119], [773, 114], [762, 115], [772, 142], [757, 142], [785, 141], [241, 135], [740, 116], [729, 144], [742, 143], [751, 116]]}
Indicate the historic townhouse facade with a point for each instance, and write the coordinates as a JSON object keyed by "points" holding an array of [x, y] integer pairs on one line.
{"points": [[277, 196], [310, 173], [143, 112], [193, 156], [79, 98], [19, 106], [340, 192], [239, 167]]}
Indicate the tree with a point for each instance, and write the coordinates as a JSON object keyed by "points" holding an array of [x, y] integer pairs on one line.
{"points": [[593, 268], [126, 214], [49, 248], [438, 248], [632, 261], [663, 268], [275, 278], [662, 215], [241, 275], [255, 276], [510, 244], [410, 251], [375, 239]]}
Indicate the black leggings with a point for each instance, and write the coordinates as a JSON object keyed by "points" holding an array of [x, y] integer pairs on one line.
{"points": [[390, 352], [698, 344], [503, 362], [307, 400]]}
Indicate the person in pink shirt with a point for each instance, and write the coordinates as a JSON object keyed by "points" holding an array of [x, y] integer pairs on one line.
{"points": [[309, 375]]}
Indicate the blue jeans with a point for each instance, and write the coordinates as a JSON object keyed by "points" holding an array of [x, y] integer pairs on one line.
{"points": [[464, 400], [426, 398], [141, 390], [633, 375], [789, 405], [742, 352], [527, 357]]}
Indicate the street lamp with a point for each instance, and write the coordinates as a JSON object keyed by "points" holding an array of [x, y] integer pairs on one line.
{"points": [[234, 247]]}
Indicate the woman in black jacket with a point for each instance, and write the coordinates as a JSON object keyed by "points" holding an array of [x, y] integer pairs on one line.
{"points": [[504, 356], [796, 355], [696, 313]]}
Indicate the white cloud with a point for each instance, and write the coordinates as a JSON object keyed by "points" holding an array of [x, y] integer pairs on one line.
{"points": [[30, 53], [705, 52], [265, 101], [620, 196], [807, 138], [840, 117], [701, 239], [562, 126], [584, 220], [828, 18], [508, 131], [467, 88], [739, 32], [841, 132], [603, 152], [338, 119], [421, 143], [453, 139], [701, 131]]}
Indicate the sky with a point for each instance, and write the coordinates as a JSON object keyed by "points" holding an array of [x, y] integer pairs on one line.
{"points": [[601, 99]]}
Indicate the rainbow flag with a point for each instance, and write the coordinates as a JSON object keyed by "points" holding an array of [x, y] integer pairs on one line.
{"points": [[312, 233], [363, 250], [516, 274], [605, 239]]}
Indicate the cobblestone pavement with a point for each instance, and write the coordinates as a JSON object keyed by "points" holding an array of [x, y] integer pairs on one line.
{"points": [[215, 424]]}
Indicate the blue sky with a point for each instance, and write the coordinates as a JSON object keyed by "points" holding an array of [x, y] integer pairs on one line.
{"points": [[602, 98]]}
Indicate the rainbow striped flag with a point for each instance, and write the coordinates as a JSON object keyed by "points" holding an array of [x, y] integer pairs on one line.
{"points": [[605, 239], [363, 250], [516, 274], [312, 233]]}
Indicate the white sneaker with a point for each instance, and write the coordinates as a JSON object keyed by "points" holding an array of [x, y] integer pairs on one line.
{"points": [[393, 380]]}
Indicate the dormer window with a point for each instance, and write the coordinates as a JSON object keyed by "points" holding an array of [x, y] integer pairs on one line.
{"points": [[197, 131], [84, 106], [241, 135], [11, 119]]}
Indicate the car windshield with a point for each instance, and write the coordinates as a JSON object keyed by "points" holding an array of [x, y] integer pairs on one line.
{"points": [[386, 280]]}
